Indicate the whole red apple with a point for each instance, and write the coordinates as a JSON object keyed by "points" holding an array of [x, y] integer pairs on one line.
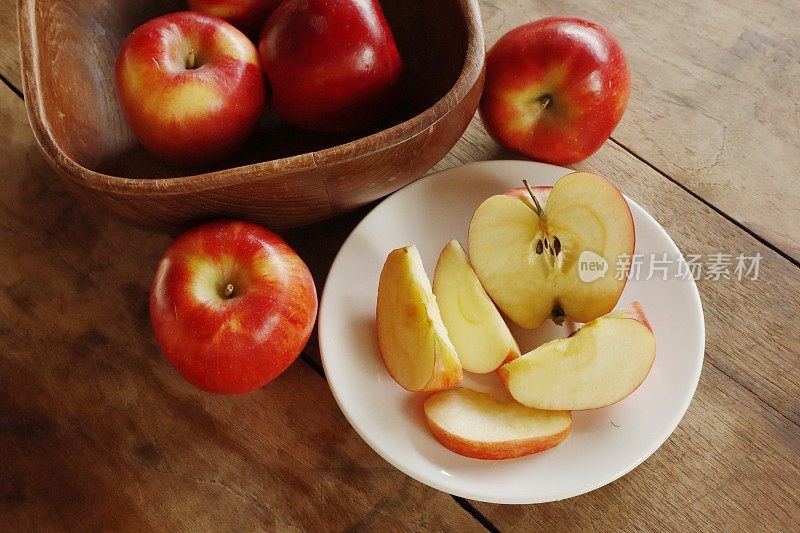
{"points": [[555, 89], [232, 306], [333, 64], [247, 15], [190, 86]]}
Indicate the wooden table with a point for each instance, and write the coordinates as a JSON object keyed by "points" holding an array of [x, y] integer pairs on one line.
{"points": [[98, 432]]}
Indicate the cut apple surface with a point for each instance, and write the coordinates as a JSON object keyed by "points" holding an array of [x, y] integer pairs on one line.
{"points": [[556, 256], [476, 425], [479, 334], [413, 340], [600, 364]]}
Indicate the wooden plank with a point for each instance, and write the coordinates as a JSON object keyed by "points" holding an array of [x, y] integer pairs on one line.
{"points": [[9, 44], [714, 103], [98, 432]]}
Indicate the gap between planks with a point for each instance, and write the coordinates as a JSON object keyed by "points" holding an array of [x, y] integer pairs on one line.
{"points": [[714, 208], [12, 87]]}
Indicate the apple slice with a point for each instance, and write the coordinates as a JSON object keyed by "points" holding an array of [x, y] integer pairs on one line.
{"points": [[480, 335], [553, 252], [600, 364], [413, 341], [476, 425]]}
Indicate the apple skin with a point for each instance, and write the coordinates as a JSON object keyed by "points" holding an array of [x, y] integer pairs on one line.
{"points": [[237, 343], [333, 64], [555, 89], [190, 116], [248, 16], [443, 409], [634, 311]]}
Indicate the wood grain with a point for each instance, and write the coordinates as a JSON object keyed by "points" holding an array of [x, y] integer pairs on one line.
{"points": [[714, 99], [98, 432]]}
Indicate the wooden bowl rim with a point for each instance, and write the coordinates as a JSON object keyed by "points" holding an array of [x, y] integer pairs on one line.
{"points": [[469, 75]]}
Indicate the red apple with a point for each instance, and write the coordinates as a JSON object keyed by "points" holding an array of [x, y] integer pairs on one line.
{"points": [[232, 306], [333, 64], [247, 15], [191, 87], [555, 89]]}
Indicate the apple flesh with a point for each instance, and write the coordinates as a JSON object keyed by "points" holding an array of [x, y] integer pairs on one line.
{"points": [[474, 424], [534, 260], [413, 340], [480, 335], [600, 364], [555, 89], [248, 16], [232, 306], [333, 64], [191, 87]]}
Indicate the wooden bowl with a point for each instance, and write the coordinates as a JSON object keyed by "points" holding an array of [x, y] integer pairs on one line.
{"points": [[284, 177]]}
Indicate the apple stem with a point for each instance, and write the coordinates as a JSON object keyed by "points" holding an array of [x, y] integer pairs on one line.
{"points": [[544, 101], [190, 59], [229, 290], [539, 210]]}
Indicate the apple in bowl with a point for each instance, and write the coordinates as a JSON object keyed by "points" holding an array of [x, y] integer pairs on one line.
{"points": [[232, 306], [248, 16], [333, 65], [191, 87]]}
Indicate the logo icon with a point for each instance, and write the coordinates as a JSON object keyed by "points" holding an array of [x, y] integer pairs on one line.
{"points": [[591, 266]]}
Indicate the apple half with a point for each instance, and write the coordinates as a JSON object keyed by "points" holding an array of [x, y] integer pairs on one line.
{"points": [[600, 364], [412, 339], [476, 425], [481, 337], [553, 251]]}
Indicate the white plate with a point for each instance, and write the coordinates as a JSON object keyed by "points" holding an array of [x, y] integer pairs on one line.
{"points": [[605, 443]]}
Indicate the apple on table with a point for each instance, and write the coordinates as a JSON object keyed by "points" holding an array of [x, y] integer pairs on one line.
{"points": [[232, 306], [191, 87], [555, 89]]}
